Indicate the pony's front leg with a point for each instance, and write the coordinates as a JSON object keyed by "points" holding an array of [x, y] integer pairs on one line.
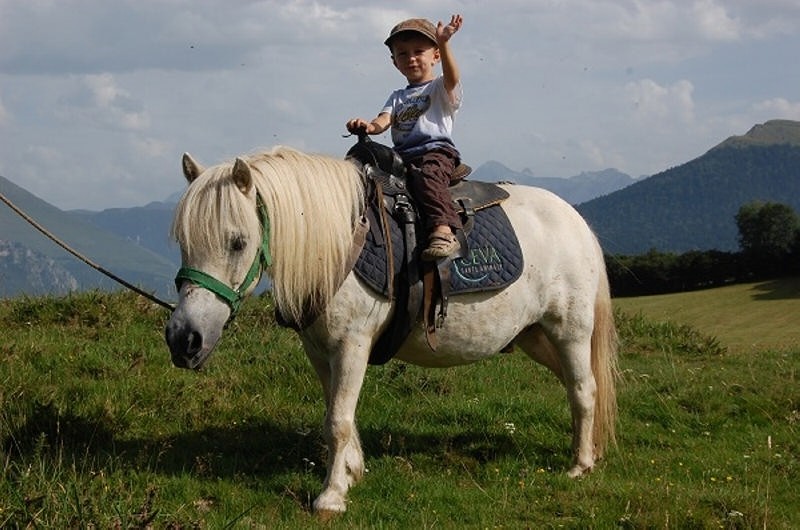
{"points": [[344, 371]]}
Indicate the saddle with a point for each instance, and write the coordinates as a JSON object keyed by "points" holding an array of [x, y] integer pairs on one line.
{"points": [[490, 257]]}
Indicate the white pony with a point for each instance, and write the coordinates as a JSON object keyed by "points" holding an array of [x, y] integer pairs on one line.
{"points": [[292, 216]]}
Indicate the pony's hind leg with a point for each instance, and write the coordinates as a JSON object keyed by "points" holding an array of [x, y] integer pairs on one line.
{"points": [[571, 363], [581, 392]]}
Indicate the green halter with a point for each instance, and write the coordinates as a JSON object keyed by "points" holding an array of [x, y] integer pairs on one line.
{"points": [[230, 296]]}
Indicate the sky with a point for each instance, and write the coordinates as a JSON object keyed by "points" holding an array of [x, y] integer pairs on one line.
{"points": [[100, 98]]}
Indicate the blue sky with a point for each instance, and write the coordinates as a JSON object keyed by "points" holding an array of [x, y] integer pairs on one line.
{"points": [[99, 98]]}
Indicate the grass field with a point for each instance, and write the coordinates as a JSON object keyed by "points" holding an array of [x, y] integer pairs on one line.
{"points": [[745, 318], [97, 430]]}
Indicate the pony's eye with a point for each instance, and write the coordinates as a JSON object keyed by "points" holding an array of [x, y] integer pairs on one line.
{"points": [[238, 243]]}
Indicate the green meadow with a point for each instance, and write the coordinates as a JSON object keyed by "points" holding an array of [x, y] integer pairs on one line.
{"points": [[745, 318], [98, 430]]}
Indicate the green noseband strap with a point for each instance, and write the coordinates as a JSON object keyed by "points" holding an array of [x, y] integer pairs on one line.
{"points": [[231, 297]]}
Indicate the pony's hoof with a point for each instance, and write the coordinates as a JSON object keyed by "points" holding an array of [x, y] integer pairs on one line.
{"points": [[578, 471], [329, 505]]}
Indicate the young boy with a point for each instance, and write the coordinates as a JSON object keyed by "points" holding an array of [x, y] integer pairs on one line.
{"points": [[421, 117]]}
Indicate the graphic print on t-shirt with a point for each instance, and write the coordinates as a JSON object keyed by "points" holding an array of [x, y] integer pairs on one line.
{"points": [[406, 116]]}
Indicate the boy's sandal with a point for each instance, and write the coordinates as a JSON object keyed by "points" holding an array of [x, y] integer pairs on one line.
{"points": [[440, 246]]}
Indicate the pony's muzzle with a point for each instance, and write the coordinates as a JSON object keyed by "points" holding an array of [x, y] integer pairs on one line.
{"points": [[186, 348]]}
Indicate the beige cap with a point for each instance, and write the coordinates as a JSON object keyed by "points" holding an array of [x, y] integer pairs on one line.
{"points": [[417, 25]]}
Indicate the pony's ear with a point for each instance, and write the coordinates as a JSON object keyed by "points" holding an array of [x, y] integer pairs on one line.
{"points": [[242, 176], [191, 169]]}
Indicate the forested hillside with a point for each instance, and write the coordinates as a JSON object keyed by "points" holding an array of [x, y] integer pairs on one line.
{"points": [[693, 206]]}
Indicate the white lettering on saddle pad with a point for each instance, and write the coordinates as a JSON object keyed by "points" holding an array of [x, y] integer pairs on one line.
{"points": [[478, 264]]}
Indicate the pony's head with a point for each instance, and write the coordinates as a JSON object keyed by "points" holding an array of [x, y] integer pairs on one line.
{"points": [[296, 208], [222, 227]]}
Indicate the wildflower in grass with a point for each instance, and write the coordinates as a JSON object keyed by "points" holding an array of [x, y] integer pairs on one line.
{"points": [[510, 427]]}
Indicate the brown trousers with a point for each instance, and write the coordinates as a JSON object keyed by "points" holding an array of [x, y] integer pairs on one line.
{"points": [[429, 180]]}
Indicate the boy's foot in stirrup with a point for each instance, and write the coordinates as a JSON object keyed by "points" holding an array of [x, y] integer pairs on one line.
{"points": [[440, 245]]}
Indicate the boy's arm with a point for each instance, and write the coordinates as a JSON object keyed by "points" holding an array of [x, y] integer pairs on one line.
{"points": [[450, 71], [380, 123]]}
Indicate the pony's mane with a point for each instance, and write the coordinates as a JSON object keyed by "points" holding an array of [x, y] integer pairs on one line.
{"points": [[313, 203]]}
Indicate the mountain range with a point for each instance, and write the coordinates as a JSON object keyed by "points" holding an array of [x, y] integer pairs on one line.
{"points": [[688, 207], [574, 190]]}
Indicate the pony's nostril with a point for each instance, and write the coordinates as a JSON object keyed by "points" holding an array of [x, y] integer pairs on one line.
{"points": [[194, 343]]}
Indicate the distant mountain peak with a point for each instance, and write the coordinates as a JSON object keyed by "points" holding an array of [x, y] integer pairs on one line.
{"points": [[772, 132], [575, 189]]}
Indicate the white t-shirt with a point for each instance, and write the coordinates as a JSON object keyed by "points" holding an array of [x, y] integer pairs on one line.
{"points": [[422, 116]]}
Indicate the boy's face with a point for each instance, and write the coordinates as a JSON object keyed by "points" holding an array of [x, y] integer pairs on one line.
{"points": [[415, 56]]}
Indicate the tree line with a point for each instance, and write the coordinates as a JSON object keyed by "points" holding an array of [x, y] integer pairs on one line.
{"points": [[769, 247]]}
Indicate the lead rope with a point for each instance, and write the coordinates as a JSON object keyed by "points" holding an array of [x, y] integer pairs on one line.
{"points": [[84, 259]]}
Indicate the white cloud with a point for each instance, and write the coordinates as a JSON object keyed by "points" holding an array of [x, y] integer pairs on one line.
{"points": [[654, 104], [97, 100], [650, 21], [778, 108], [150, 147], [641, 20], [116, 104], [714, 22], [767, 19]]}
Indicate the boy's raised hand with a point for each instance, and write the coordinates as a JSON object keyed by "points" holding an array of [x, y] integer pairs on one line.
{"points": [[443, 33]]}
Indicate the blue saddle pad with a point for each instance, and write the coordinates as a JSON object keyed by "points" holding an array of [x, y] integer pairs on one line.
{"points": [[494, 259]]}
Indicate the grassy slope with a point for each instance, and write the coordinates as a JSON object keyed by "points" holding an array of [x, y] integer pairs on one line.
{"points": [[97, 429], [745, 318]]}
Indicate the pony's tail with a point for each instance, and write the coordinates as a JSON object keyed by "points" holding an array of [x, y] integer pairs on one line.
{"points": [[604, 368]]}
